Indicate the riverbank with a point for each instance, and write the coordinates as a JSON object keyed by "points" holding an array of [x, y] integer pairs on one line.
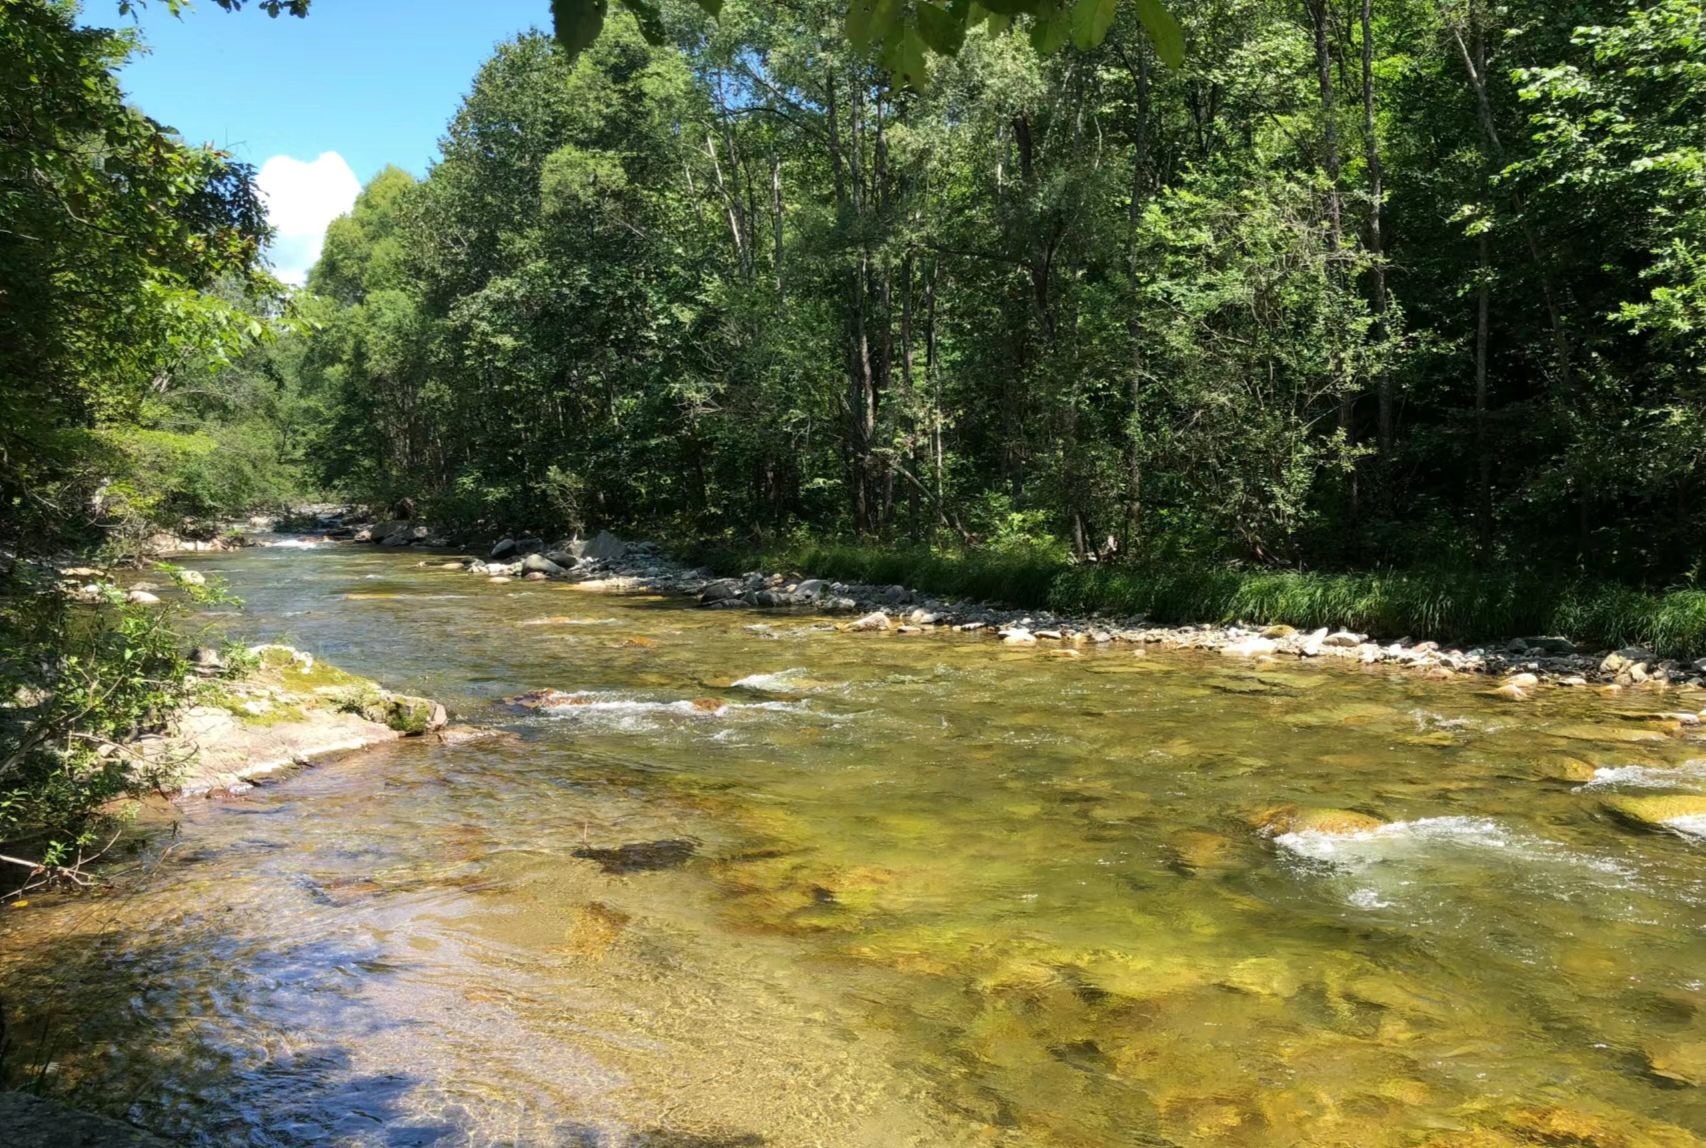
{"points": [[286, 709], [608, 562]]}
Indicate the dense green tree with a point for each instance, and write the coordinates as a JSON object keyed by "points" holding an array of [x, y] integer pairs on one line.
{"points": [[1353, 284], [114, 234]]}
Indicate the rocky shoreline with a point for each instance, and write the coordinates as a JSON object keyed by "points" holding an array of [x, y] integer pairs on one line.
{"points": [[606, 561], [284, 710]]}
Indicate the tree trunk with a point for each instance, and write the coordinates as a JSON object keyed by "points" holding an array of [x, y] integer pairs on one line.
{"points": [[1484, 455], [1376, 198], [1320, 17]]}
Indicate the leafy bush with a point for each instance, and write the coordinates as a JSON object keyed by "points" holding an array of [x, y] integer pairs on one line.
{"points": [[80, 683]]}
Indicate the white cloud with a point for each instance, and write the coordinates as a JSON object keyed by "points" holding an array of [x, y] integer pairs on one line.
{"points": [[302, 198]]}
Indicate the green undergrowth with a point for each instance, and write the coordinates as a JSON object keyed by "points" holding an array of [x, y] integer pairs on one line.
{"points": [[1445, 605]]}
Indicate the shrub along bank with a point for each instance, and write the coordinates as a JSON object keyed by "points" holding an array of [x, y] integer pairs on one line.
{"points": [[1447, 605]]}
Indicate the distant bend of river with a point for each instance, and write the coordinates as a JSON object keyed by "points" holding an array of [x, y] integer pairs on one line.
{"points": [[883, 890]]}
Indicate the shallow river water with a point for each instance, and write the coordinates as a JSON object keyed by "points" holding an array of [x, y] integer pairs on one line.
{"points": [[894, 890]]}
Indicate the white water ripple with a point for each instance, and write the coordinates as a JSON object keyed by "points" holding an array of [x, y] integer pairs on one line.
{"points": [[1689, 775]]}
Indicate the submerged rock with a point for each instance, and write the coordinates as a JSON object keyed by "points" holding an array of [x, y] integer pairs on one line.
{"points": [[641, 856], [1659, 811], [1281, 819], [593, 928]]}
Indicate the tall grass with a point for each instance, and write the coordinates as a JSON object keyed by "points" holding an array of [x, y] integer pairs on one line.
{"points": [[1446, 605]]}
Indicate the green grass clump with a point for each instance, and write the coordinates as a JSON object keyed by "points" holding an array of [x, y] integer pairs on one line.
{"points": [[1448, 605]]}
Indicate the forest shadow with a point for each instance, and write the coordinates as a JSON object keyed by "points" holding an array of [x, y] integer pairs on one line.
{"points": [[109, 1024], [130, 1027]]}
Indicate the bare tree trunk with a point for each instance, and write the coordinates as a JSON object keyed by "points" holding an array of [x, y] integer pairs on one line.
{"points": [[736, 213], [1320, 16], [1376, 195], [1134, 326], [1475, 64], [1484, 456], [776, 214]]}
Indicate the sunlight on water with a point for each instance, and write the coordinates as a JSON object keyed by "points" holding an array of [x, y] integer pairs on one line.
{"points": [[756, 882]]}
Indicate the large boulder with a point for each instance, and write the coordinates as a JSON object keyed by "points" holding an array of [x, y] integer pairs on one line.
{"points": [[539, 564], [567, 559], [385, 531], [606, 547], [502, 547], [720, 590]]}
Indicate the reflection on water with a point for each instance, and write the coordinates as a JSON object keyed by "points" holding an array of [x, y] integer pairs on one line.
{"points": [[765, 883]]}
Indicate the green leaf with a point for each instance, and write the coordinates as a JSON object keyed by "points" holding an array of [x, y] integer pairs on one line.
{"points": [[1090, 22], [943, 31], [870, 22], [904, 54], [646, 14], [1164, 32], [1053, 28], [713, 8], [577, 23]]}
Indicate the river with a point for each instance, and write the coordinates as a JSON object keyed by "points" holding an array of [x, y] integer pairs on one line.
{"points": [[882, 890]]}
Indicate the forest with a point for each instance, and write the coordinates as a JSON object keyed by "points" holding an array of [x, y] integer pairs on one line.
{"points": [[1377, 285]]}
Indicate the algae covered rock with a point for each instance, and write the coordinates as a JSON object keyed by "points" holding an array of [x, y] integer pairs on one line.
{"points": [[1282, 819], [1660, 811], [412, 716]]}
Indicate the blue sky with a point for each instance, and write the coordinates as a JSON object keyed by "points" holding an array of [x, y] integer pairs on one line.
{"points": [[321, 104]]}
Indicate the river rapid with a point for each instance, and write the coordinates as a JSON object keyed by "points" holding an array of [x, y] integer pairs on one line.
{"points": [[759, 882]]}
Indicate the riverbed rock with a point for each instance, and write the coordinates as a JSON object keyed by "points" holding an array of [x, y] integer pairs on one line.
{"points": [[142, 598], [1281, 819], [412, 716], [605, 548], [1673, 811], [1018, 636], [567, 559], [1250, 648], [1679, 1061], [1627, 660], [875, 620], [719, 591], [191, 577], [641, 856], [502, 548], [539, 564], [1342, 639]]}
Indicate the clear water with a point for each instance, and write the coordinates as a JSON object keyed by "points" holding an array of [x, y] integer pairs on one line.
{"points": [[933, 892]]}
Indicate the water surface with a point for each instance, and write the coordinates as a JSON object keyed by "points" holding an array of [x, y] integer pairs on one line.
{"points": [[757, 882]]}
